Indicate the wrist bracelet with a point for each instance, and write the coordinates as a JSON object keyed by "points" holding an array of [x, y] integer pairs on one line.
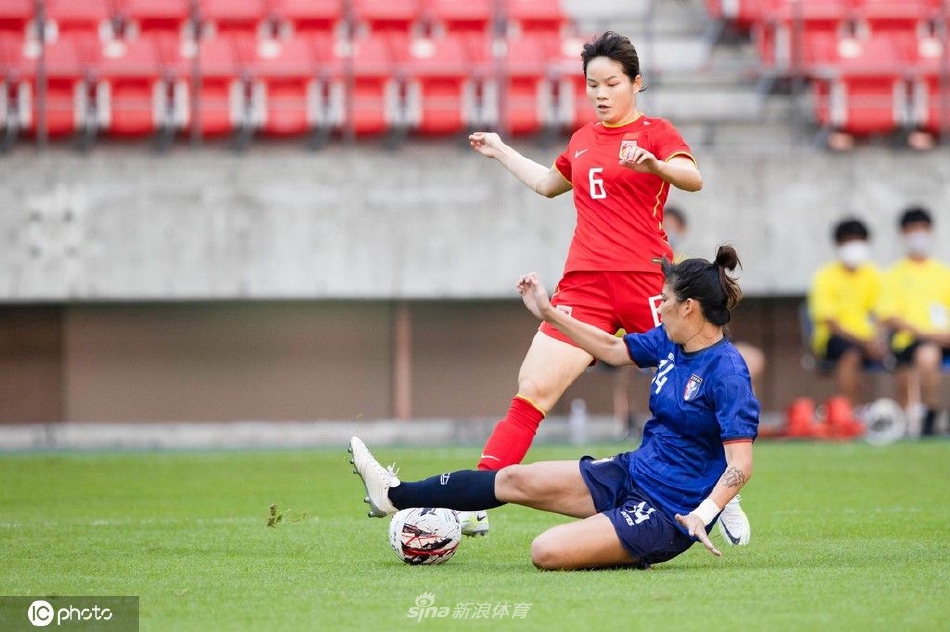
{"points": [[707, 511]]}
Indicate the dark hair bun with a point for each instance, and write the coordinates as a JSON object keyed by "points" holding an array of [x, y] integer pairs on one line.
{"points": [[727, 258]]}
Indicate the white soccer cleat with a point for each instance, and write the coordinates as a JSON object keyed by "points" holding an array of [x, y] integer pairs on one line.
{"points": [[473, 522], [376, 478], [734, 524]]}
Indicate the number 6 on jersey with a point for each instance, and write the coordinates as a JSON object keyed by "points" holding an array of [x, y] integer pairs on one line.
{"points": [[597, 191]]}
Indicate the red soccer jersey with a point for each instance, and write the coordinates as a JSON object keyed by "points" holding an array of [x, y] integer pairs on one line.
{"points": [[619, 211]]}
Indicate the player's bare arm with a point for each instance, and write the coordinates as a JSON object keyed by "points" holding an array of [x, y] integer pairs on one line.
{"points": [[733, 477], [679, 171], [736, 475], [600, 344], [546, 181]]}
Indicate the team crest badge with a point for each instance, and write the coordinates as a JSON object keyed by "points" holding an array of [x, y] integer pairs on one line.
{"points": [[627, 146], [692, 387]]}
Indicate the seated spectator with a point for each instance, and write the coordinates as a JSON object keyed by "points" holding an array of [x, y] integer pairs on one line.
{"points": [[841, 305], [915, 304]]}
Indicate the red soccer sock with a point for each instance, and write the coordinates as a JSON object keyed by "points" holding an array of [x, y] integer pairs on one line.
{"points": [[512, 436]]}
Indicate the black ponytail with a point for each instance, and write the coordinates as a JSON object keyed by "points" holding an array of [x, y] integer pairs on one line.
{"points": [[708, 283]]}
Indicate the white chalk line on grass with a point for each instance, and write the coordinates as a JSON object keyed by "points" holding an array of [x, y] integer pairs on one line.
{"points": [[126, 522]]}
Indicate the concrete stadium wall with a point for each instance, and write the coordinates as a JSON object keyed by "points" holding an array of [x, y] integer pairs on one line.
{"points": [[320, 361], [427, 221]]}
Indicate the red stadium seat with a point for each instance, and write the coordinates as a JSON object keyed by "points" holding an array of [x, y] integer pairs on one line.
{"points": [[15, 15], [928, 104], [231, 17], [88, 17], [574, 107], [131, 93], [308, 16], [891, 16], [929, 93], [11, 53], [332, 82], [68, 104], [440, 88], [374, 103], [155, 17], [284, 85], [792, 28], [535, 16], [387, 16], [482, 98], [527, 100], [741, 13], [868, 93], [461, 16], [221, 100]]}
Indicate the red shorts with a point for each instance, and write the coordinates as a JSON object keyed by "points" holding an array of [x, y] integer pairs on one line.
{"points": [[609, 301]]}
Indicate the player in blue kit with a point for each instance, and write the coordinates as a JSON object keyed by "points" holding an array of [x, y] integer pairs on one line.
{"points": [[642, 507]]}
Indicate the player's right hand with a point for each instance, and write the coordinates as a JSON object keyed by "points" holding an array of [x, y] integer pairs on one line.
{"points": [[695, 527], [486, 143]]}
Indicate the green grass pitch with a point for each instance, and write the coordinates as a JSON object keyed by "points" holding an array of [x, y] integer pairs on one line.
{"points": [[845, 537]]}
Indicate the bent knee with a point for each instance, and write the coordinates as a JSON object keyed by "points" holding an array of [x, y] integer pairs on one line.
{"points": [[546, 553], [513, 483], [928, 357], [537, 392]]}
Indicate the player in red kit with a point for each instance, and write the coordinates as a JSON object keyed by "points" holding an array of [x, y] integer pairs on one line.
{"points": [[621, 169]]}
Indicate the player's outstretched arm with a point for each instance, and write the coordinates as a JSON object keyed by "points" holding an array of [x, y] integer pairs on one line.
{"points": [[598, 343], [546, 181], [737, 473], [679, 171]]}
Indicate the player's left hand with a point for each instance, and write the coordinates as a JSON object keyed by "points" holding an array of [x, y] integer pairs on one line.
{"points": [[534, 295], [640, 160], [695, 527]]}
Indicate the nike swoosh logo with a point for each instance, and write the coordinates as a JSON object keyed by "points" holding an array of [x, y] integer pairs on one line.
{"points": [[579, 152], [488, 456], [732, 538]]}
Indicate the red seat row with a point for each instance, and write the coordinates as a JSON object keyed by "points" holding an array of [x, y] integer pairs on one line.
{"points": [[878, 13], [874, 65], [878, 85], [810, 25], [370, 85], [120, 18]]}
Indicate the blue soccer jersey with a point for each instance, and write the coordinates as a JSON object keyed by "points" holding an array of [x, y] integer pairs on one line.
{"points": [[699, 401]]}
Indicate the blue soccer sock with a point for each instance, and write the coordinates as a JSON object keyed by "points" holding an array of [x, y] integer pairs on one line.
{"points": [[464, 490]]}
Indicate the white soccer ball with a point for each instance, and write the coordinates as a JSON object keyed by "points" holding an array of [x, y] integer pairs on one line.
{"points": [[425, 535], [885, 421]]}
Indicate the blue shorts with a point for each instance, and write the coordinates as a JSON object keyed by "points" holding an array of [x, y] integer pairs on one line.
{"points": [[644, 530]]}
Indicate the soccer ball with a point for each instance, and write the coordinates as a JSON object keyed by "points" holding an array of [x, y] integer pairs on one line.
{"points": [[885, 421], [423, 535]]}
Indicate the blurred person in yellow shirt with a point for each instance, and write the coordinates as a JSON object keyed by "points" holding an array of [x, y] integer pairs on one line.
{"points": [[915, 304], [841, 305]]}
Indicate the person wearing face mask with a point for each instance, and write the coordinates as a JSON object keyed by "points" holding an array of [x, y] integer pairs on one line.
{"points": [[841, 305], [915, 304]]}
